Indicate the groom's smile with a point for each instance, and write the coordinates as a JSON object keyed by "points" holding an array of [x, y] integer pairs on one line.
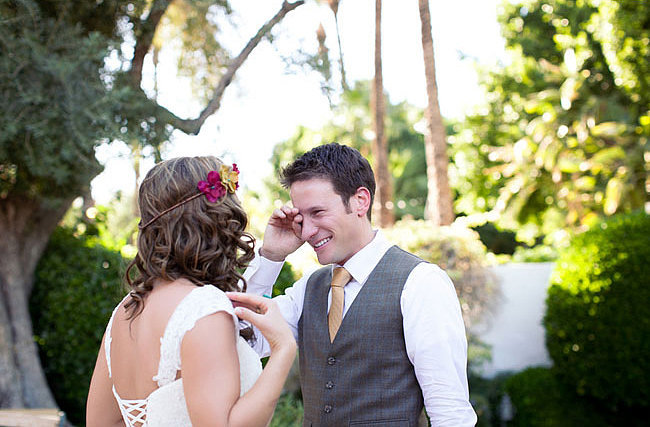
{"points": [[330, 228]]}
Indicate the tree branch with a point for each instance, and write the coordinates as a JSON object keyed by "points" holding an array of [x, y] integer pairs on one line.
{"points": [[144, 37], [193, 126]]}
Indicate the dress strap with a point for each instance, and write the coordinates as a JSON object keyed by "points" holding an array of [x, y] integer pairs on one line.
{"points": [[200, 302], [108, 339]]}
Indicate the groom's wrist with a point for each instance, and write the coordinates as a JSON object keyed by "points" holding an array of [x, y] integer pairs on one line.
{"points": [[271, 256]]}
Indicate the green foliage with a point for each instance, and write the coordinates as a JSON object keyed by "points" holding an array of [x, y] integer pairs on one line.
{"points": [[77, 285], [285, 280], [113, 226], [623, 30], [540, 400], [100, 17], [539, 253], [55, 107], [561, 139], [201, 58], [497, 241], [486, 396], [598, 317], [288, 413], [352, 125]]}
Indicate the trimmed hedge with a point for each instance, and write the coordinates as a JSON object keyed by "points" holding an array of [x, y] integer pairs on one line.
{"points": [[540, 400], [77, 285], [486, 396], [598, 313]]}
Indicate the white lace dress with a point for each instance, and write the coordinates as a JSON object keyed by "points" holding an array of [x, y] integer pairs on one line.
{"points": [[166, 405]]}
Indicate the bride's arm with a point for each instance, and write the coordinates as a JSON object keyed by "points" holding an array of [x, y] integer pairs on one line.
{"points": [[101, 407], [211, 367]]}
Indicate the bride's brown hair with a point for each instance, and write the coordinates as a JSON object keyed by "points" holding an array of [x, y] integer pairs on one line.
{"points": [[203, 242]]}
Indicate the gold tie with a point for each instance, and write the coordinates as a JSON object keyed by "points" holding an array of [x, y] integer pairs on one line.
{"points": [[340, 278]]}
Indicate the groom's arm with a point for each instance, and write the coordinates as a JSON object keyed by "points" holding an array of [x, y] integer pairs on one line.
{"points": [[281, 238], [260, 277], [436, 344], [261, 274]]}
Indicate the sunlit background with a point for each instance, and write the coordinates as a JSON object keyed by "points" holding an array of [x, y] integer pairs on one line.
{"points": [[269, 99]]}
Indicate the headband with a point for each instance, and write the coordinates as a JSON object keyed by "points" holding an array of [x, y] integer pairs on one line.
{"points": [[217, 185]]}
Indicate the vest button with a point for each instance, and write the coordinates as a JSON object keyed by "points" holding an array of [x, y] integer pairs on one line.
{"points": [[329, 385], [327, 409], [331, 360]]}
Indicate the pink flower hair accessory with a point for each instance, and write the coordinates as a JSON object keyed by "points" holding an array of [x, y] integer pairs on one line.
{"points": [[215, 187]]}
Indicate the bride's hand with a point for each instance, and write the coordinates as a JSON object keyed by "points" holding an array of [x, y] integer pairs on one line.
{"points": [[265, 315]]}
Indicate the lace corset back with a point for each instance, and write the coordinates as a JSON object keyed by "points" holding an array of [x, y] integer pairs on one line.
{"points": [[166, 405]]}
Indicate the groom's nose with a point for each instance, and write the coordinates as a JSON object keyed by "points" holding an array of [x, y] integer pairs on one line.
{"points": [[309, 230]]}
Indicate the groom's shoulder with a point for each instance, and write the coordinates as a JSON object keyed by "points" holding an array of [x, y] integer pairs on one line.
{"points": [[317, 273], [405, 255]]}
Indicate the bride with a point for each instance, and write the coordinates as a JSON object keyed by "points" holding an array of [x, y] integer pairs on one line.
{"points": [[174, 352]]}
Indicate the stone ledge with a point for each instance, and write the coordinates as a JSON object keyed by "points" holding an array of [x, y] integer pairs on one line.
{"points": [[31, 418]]}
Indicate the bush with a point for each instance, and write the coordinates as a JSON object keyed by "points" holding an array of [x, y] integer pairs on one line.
{"points": [[486, 396], [497, 241], [77, 284], [540, 400], [288, 413], [598, 316], [285, 280]]}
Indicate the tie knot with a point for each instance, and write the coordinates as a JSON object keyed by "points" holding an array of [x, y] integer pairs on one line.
{"points": [[341, 277]]}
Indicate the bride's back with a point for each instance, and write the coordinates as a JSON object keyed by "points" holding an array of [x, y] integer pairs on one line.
{"points": [[191, 234], [135, 349]]}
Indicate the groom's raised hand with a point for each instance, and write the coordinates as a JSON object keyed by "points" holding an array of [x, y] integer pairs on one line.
{"points": [[283, 234]]}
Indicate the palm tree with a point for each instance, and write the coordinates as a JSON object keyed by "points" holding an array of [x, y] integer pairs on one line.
{"points": [[439, 203], [380, 146], [334, 5]]}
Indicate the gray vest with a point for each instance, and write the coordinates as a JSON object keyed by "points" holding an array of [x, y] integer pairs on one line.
{"points": [[364, 377]]}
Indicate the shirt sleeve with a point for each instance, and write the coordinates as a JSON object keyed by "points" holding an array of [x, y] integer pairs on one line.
{"points": [[436, 345], [260, 276]]}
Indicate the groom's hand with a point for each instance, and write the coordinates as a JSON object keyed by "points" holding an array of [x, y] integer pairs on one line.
{"points": [[283, 234]]}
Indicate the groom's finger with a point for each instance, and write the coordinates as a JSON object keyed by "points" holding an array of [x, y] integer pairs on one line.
{"points": [[289, 211], [296, 225]]}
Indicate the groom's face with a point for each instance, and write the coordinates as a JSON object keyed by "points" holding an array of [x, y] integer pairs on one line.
{"points": [[331, 229]]}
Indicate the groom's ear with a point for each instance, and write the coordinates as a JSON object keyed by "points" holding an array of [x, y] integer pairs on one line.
{"points": [[360, 201]]}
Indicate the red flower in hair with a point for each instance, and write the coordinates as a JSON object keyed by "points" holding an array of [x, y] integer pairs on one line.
{"points": [[212, 188]]}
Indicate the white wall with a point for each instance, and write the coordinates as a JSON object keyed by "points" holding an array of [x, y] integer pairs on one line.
{"points": [[515, 329]]}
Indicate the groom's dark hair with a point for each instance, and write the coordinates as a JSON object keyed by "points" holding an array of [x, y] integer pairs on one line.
{"points": [[341, 165]]}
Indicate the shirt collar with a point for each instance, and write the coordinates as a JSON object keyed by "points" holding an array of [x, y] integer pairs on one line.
{"points": [[361, 264]]}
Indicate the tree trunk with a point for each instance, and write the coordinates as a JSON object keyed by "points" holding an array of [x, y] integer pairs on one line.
{"points": [[439, 203], [334, 5], [27, 222], [384, 194], [25, 227]]}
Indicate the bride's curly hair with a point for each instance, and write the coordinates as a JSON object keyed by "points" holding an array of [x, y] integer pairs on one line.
{"points": [[203, 242]]}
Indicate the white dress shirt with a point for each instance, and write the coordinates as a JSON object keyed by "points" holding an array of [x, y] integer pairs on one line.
{"points": [[434, 332]]}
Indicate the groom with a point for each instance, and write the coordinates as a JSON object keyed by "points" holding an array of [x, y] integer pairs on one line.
{"points": [[378, 338]]}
